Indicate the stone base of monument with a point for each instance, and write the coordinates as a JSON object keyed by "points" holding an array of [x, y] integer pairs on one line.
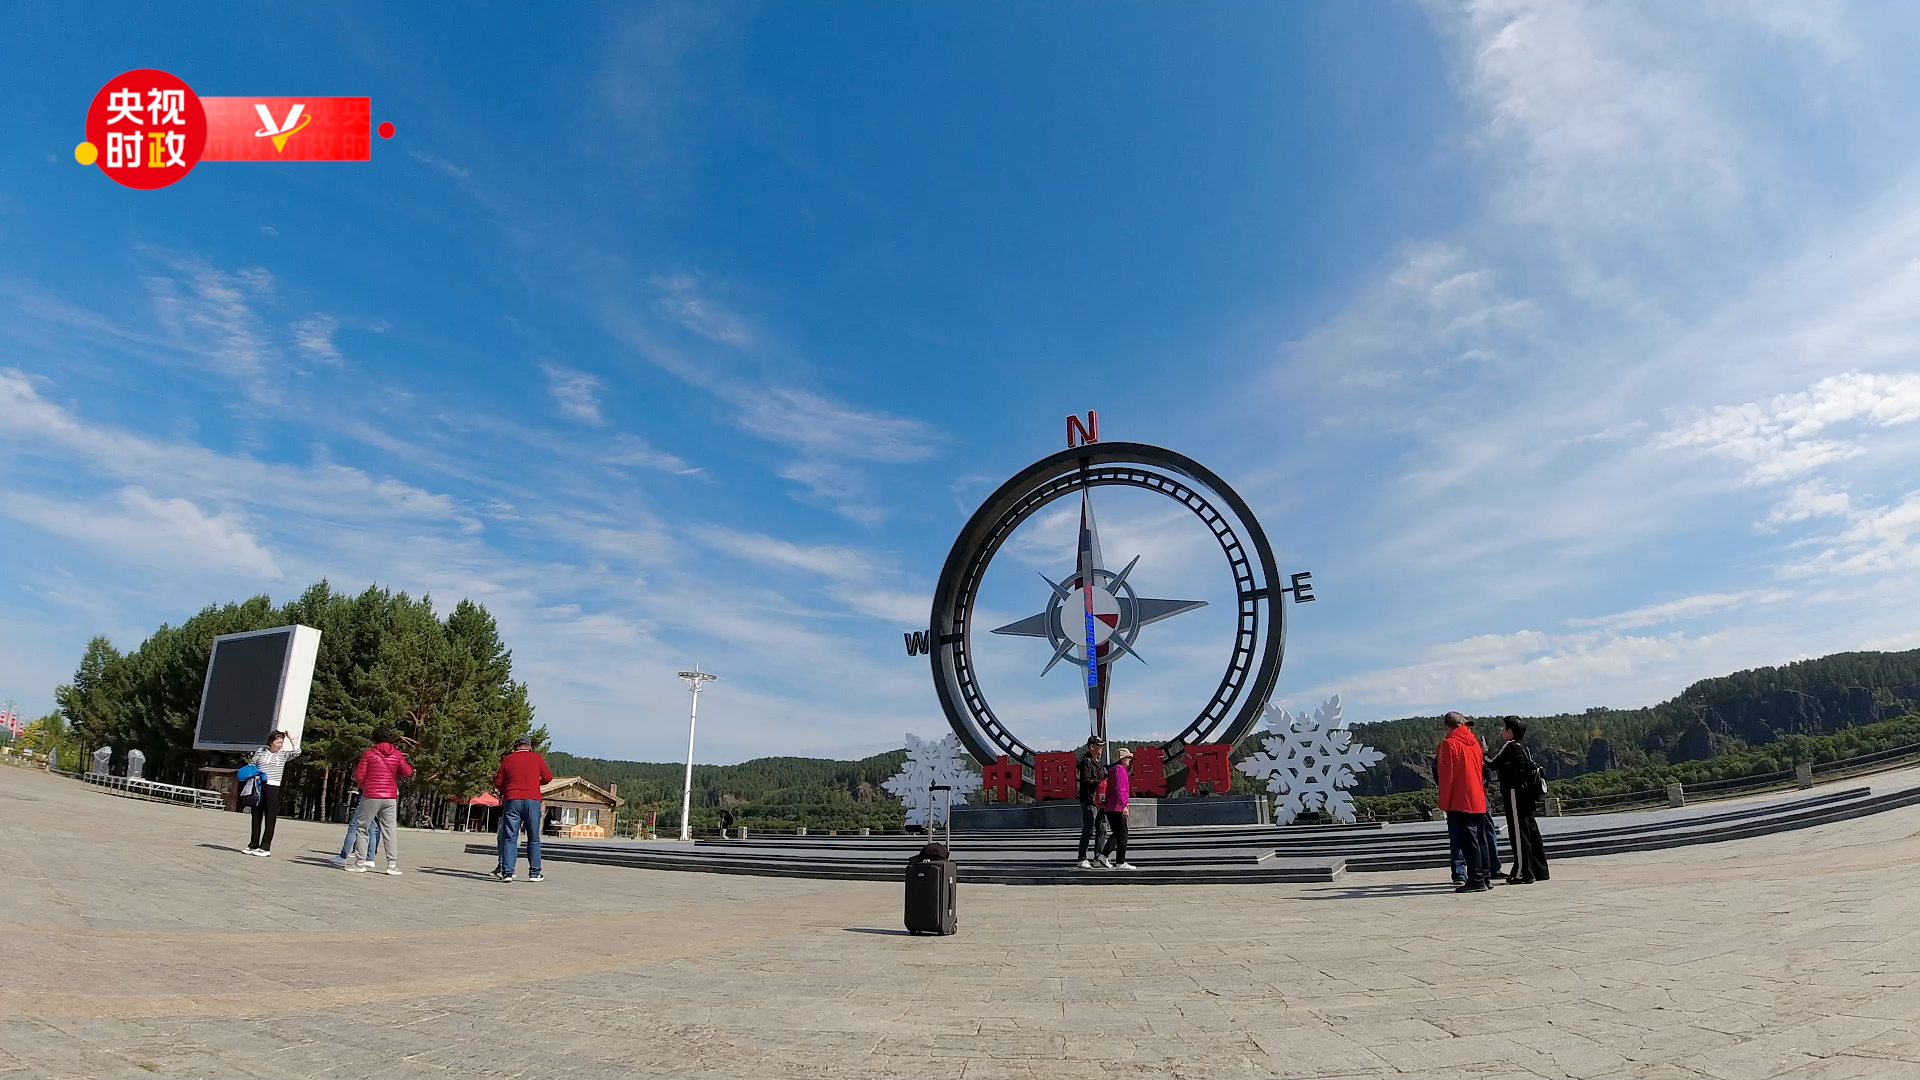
{"points": [[1213, 810], [1141, 814]]}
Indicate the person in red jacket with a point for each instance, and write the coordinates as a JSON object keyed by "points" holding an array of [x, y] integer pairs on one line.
{"points": [[379, 773], [1458, 766], [522, 774]]}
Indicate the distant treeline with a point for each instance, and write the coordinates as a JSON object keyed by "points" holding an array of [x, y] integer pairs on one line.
{"points": [[1754, 709], [766, 793], [1753, 722]]}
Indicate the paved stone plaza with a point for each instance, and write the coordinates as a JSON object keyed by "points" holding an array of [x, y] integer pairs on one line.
{"points": [[138, 941]]}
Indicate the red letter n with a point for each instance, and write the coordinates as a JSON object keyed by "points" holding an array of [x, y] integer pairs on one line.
{"points": [[1088, 433]]}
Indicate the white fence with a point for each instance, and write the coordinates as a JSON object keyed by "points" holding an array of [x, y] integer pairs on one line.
{"points": [[150, 789]]}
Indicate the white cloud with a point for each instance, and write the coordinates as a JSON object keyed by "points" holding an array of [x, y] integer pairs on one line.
{"points": [[1495, 666], [209, 314], [829, 433], [830, 429], [1775, 439], [685, 303], [633, 450], [840, 563], [37, 428], [577, 393], [847, 491], [1609, 116], [446, 167], [163, 533], [1876, 539], [314, 336], [1689, 607], [1806, 501]]}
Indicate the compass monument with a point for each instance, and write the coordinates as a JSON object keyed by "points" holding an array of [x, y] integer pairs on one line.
{"points": [[1093, 617], [1095, 611]]}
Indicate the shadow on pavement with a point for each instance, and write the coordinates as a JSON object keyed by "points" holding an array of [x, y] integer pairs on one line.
{"points": [[875, 930], [224, 847], [447, 871], [1361, 892]]}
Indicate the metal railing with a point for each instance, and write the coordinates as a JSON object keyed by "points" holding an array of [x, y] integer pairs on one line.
{"points": [[140, 788], [1753, 784]]}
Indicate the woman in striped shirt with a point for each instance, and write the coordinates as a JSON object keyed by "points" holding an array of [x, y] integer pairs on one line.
{"points": [[272, 760]]}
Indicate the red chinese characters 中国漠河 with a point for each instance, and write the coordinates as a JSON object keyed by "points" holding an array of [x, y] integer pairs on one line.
{"points": [[1002, 778], [1209, 763], [1148, 774], [145, 129], [1053, 775]]}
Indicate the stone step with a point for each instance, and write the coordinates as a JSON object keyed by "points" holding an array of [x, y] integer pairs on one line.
{"points": [[1245, 859]]}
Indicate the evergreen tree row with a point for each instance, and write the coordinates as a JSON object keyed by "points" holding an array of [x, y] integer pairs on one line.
{"points": [[444, 686]]}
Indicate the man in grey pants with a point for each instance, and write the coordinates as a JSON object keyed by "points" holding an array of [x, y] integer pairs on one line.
{"points": [[379, 773]]}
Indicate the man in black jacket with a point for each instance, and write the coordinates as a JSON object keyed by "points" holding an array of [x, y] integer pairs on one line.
{"points": [[1520, 791], [1093, 825]]}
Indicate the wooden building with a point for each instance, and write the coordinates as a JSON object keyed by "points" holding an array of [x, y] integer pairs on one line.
{"points": [[578, 809]]}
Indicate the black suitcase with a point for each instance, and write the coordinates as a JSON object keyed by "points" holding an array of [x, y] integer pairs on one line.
{"points": [[932, 886]]}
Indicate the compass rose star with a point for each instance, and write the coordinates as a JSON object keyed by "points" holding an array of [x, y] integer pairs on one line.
{"points": [[1118, 612]]}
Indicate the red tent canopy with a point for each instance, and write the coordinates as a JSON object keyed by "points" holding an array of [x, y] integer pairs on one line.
{"points": [[484, 799]]}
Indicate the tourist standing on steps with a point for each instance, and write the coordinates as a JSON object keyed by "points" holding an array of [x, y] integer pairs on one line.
{"points": [[272, 760], [1457, 766], [1093, 825], [1520, 787], [1114, 809], [379, 773], [521, 775]]}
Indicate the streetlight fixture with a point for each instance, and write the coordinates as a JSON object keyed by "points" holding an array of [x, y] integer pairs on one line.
{"points": [[695, 679]]}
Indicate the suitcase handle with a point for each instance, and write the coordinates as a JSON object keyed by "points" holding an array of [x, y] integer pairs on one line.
{"points": [[948, 788]]}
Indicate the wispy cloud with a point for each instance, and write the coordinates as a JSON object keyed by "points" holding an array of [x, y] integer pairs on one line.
{"points": [[1688, 607], [160, 533], [314, 336], [840, 563], [37, 427], [1492, 667], [633, 450], [836, 440], [685, 302], [435, 161], [209, 313], [577, 393]]}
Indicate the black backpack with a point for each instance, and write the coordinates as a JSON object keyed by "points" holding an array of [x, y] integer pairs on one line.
{"points": [[1536, 776]]}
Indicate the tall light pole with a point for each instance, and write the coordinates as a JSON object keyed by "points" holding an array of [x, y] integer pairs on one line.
{"points": [[694, 678]]}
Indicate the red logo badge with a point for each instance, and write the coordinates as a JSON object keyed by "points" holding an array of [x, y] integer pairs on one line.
{"points": [[145, 129]]}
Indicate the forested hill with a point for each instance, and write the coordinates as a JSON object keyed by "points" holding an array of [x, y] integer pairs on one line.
{"points": [[775, 792], [1711, 717]]}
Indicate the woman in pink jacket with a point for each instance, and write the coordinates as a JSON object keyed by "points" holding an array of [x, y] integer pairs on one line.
{"points": [[1113, 807], [379, 773]]}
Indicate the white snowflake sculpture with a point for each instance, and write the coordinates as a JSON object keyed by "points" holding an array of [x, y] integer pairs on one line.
{"points": [[930, 762], [1310, 762]]}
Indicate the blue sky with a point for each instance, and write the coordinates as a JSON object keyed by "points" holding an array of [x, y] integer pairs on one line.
{"points": [[1571, 346]]}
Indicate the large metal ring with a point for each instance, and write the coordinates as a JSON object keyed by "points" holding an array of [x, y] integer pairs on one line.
{"points": [[1260, 640]]}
